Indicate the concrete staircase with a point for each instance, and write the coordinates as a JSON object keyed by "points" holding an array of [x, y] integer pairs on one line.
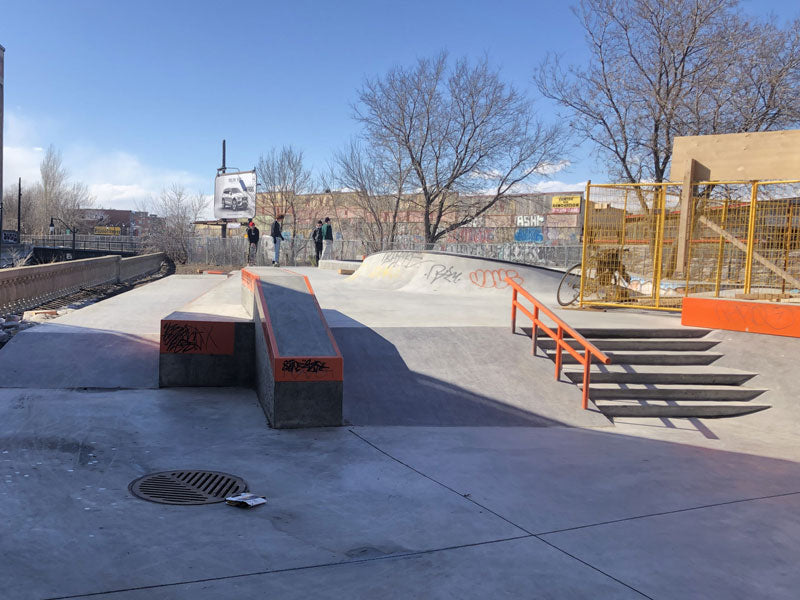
{"points": [[660, 373]]}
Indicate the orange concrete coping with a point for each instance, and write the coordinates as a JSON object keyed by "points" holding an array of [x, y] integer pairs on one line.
{"points": [[742, 315]]}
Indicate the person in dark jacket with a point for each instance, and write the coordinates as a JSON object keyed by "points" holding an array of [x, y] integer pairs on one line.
{"points": [[317, 237], [252, 237], [327, 238], [277, 238]]}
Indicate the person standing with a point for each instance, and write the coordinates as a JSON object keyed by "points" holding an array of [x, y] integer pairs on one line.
{"points": [[277, 238], [327, 239], [252, 237], [317, 237]]}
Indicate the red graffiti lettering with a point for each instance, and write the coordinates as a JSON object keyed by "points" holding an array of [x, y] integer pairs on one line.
{"points": [[494, 278]]}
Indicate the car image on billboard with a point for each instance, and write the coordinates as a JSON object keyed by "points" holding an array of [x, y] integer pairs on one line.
{"points": [[235, 195]]}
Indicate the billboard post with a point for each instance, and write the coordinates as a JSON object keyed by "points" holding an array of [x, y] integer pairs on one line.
{"points": [[2, 61]]}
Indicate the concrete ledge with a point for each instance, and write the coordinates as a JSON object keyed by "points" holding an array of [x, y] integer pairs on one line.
{"points": [[340, 265], [742, 315], [25, 287], [298, 364], [209, 342]]}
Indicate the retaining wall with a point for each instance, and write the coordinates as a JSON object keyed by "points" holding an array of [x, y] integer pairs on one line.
{"points": [[25, 287]]}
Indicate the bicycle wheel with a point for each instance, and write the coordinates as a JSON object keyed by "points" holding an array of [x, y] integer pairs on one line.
{"points": [[570, 287]]}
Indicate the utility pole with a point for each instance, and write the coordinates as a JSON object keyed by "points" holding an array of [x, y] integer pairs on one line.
{"points": [[224, 232], [19, 212], [2, 61]]}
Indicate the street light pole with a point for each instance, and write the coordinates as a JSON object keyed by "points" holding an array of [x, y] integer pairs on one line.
{"points": [[2, 62], [70, 228]]}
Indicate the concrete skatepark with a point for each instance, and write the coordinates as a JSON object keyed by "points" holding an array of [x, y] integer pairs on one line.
{"points": [[462, 469]]}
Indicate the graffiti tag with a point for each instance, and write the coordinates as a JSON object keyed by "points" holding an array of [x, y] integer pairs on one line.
{"points": [[758, 316], [494, 278], [307, 365], [180, 338], [445, 273], [529, 234], [402, 260]]}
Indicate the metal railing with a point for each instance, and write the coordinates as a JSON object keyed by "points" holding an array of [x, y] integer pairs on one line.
{"points": [[86, 242], [558, 335]]}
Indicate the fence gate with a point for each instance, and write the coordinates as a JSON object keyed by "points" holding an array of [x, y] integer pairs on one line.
{"points": [[741, 240]]}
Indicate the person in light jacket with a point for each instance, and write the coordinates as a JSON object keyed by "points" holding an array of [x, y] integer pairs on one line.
{"points": [[327, 239], [277, 238]]}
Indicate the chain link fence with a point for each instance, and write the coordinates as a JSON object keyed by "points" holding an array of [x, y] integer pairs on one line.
{"points": [[300, 252], [736, 239]]}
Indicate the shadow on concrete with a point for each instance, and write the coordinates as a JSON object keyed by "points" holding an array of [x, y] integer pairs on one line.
{"points": [[67, 356], [450, 376], [665, 517]]}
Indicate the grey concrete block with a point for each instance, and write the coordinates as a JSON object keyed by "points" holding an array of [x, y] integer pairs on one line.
{"points": [[212, 370], [307, 404]]}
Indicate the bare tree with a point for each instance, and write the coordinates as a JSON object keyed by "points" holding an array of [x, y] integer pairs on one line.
{"points": [[27, 207], [173, 232], [468, 137], [285, 178], [663, 69], [378, 178], [55, 195]]}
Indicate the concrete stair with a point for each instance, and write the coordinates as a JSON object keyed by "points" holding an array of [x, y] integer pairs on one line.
{"points": [[639, 345], [647, 357], [660, 373]]}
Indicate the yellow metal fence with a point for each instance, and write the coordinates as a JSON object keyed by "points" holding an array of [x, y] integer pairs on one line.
{"points": [[645, 247]]}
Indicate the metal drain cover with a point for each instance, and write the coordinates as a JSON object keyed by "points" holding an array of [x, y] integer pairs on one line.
{"points": [[187, 487]]}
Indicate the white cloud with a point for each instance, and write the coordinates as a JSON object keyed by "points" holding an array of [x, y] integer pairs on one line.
{"points": [[551, 168], [122, 180], [116, 179], [550, 186], [21, 161]]}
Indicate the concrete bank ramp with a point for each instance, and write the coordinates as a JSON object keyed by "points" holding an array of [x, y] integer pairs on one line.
{"points": [[442, 273], [111, 344]]}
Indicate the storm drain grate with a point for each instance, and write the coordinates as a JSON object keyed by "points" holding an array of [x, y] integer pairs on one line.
{"points": [[187, 487]]}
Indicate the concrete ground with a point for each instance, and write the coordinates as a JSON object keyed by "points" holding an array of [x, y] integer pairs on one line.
{"points": [[467, 472]]}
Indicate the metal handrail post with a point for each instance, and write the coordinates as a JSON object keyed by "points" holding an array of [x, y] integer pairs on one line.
{"points": [[586, 369], [559, 341], [514, 312]]}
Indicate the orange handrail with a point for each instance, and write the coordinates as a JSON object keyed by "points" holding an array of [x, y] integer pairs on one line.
{"points": [[589, 348]]}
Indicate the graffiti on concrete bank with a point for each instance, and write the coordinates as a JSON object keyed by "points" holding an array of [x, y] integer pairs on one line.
{"points": [[402, 260], [444, 273], [306, 365], [494, 278]]}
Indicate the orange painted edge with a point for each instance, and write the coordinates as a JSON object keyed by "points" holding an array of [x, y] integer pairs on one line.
{"points": [[331, 368], [737, 315], [197, 337]]}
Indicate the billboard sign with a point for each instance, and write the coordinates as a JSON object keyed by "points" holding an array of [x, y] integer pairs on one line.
{"points": [[235, 195], [566, 204]]}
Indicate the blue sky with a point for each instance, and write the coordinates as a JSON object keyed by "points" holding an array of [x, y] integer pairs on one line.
{"points": [[138, 95]]}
